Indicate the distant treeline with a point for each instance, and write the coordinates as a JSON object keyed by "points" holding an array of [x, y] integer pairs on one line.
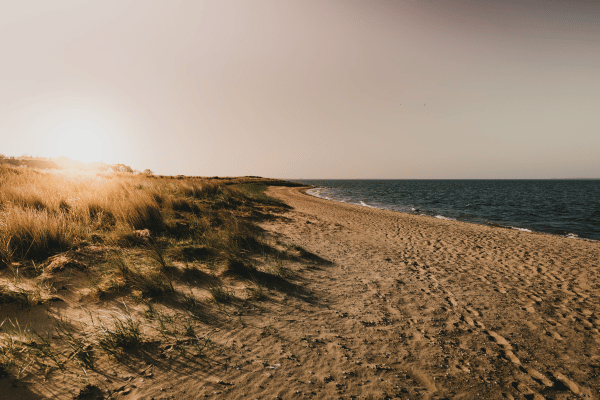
{"points": [[67, 163], [62, 163]]}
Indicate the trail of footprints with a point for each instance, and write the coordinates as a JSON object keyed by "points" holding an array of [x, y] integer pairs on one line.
{"points": [[507, 348], [529, 299], [572, 296], [549, 300]]}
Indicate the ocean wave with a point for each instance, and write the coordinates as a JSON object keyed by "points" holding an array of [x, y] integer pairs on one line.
{"points": [[506, 204], [317, 192], [521, 229]]}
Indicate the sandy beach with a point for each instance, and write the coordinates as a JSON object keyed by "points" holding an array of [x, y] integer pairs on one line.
{"points": [[152, 246], [372, 304], [417, 307]]}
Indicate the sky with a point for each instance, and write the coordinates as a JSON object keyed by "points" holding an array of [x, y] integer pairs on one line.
{"points": [[439, 89]]}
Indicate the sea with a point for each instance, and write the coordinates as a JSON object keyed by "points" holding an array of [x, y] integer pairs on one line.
{"points": [[569, 208]]}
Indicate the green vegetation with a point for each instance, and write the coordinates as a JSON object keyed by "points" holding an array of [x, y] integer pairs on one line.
{"points": [[256, 192]]}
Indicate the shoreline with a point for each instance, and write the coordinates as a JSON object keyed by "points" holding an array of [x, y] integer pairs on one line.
{"points": [[462, 310], [442, 217]]}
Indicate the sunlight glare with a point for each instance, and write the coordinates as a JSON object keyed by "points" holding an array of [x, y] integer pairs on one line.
{"points": [[80, 140]]}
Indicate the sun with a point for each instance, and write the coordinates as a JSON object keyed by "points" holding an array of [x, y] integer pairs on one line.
{"points": [[80, 140]]}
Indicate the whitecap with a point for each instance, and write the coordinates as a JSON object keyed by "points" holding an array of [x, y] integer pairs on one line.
{"points": [[521, 229], [445, 218]]}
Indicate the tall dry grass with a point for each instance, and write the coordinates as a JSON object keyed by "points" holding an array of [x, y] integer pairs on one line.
{"points": [[196, 227], [43, 213]]}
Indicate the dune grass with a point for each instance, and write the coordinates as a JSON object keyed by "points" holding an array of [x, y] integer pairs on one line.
{"points": [[135, 237], [45, 213]]}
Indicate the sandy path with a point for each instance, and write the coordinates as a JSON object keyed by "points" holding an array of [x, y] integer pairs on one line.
{"points": [[425, 308]]}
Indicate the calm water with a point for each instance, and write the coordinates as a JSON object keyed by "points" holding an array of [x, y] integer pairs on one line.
{"points": [[560, 207]]}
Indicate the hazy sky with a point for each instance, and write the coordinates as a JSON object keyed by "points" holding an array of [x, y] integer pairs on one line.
{"points": [[306, 89]]}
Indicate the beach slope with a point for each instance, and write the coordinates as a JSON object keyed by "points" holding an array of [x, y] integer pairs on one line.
{"points": [[419, 307]]}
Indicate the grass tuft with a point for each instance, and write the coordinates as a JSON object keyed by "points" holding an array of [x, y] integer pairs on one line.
{"points": [[36, 235], [119, 332], [220, 294], [151, 284], [192, 305]]}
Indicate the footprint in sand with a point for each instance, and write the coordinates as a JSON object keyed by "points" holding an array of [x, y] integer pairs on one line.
{"points": [[582, 295], [555, 335], [541, 269], [567, 382], [527, 392], [452, 301], [529, 309], [510, 356], [468, 320], [535, 298], [538, 376], [500, 340], [473, 311]]}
